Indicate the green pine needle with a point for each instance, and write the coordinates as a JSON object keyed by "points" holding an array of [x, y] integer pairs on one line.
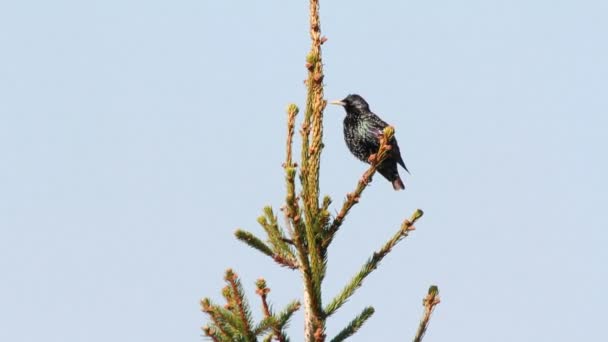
{"points": [[371, 265], [265, 325], [354, 325], [253, 242], [240, 307], [285, 315]]}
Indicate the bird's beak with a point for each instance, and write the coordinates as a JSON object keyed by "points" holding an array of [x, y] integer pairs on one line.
{"points": [[338, 102]]}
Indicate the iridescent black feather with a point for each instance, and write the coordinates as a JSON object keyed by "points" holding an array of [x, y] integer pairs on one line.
{"points": [[362, 129]]}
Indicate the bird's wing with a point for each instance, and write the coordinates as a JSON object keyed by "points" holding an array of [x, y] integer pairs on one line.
{"points": [[377, 122], [396, 154], [378, 128], [375, 125]]}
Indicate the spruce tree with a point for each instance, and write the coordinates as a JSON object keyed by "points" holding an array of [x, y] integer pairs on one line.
{"points": [[303, 242]]}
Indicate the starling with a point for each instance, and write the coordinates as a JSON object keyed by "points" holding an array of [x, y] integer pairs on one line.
{"points": [[362, 130]]}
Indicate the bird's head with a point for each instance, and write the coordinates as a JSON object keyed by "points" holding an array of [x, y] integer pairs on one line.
{"points": [[353, 104]]}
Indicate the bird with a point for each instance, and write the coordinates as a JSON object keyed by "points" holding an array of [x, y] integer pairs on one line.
{"points": [[362, 129]]}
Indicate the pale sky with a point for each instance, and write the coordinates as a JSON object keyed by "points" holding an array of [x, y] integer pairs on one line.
{"points": [[136, 136]]}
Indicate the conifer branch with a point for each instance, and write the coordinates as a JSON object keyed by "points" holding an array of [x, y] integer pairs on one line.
{"points": [[315, 102], [255, 243], [270, 321], [309, 178], [316, 267], [291, 210], [225, 326], [299, 239], [239, 305], [212, 334], [304, 168], [298, 229], [267, 324], [284, 316], [295, 222], [429, 302], [276, 236], [354, 325], [281, 321], [289, 165], [353, 197], [292, 112], [372, 264], [262, 290], [230, 322], [233, 321]]}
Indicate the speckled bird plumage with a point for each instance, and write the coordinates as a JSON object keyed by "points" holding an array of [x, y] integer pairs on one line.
{"points": [[362, 129]]}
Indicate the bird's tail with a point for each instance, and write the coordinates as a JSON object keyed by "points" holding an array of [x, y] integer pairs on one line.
{"points": [[398, 184]]}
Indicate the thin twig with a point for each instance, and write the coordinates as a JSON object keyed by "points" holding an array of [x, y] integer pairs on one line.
{"points": [[354, 325], [353, 197], [372, 263], [209, 332], [241, 307], [292, 112], [254, 242], [262, 291], [208, 308], [429, 302]]}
